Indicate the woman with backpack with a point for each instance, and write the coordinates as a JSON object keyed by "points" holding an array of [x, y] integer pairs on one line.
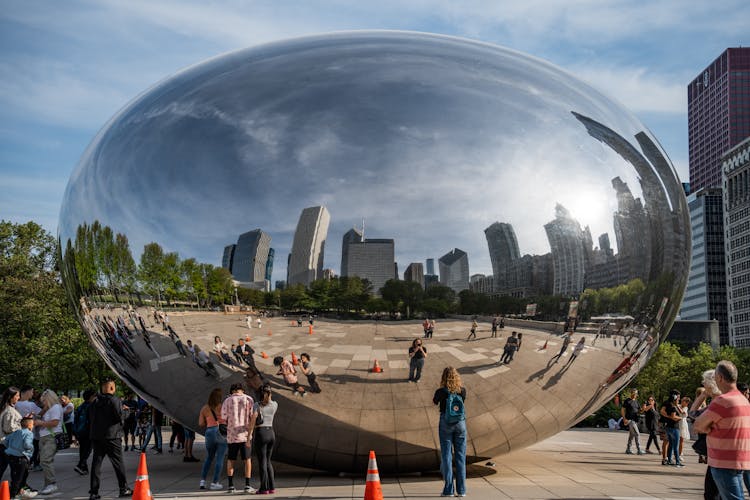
{"points": [[450, 397]]}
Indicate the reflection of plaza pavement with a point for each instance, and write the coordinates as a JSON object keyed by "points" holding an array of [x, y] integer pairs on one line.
{"points": [[509, 405], [575, 464]]}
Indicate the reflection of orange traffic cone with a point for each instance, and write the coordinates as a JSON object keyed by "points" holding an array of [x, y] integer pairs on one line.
{"points": [[310, 330], [292, 323], [247, 337], [263, 355], [376, 367], [372, 486], [295, 361], [4, 491], [269, 333], [142, 490], [544, 346]]}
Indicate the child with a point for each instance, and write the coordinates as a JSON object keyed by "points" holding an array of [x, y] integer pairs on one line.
{"points": [[308, 371], [19, 446]]}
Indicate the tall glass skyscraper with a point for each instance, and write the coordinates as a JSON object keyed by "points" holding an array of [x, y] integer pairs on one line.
{"points": [[251, 256], [454, 270], [503, 247], [308, 248], [371, 259]]}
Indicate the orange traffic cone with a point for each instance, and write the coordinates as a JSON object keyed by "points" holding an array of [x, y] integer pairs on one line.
{"points": [[263, 355], [295, 361], [373, 490], [310, 330], [376, 367], [4, 491], [142, 489]]}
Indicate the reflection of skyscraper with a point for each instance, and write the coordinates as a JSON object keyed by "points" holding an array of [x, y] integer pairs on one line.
{"points": [[351, 236], [228, 257], [706, 293], [503, 247], [415, 272], [371, 259], [567, 241], [308, 248], [633, 243], [430, 266], [718, 114], [269, 264], [454, 270], [736, 168], [665, 209], [251, 257]]}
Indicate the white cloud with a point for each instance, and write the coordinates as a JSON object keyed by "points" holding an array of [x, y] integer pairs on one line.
{"points": [[637, 88]]}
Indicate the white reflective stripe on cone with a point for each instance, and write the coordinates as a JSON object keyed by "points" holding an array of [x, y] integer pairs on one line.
{"points": [[141, 478], [372, 477]]}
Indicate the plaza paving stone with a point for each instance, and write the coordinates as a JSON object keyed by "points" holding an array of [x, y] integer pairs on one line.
{"points": [[578, 463]]}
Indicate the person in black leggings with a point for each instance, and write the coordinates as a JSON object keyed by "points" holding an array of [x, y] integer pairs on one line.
{"points": [[264, 440]]}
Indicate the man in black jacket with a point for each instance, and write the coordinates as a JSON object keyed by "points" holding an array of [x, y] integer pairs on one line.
{"points": [[105, 420]]}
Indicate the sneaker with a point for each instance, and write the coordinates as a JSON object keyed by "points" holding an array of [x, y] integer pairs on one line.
{"points": [[216, 486], [95, 496], [49, 489], [664, 461], [249, 489], [25, 494], [679, 464], [230, 489], [126, 492], [37, 468], [628, 452], [202, 484], [649, 452], [81, 470], [271, 492], [641, 452]]}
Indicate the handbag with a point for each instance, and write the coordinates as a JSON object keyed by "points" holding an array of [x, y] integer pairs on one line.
{"points": [[61, 441], [222, 427]]}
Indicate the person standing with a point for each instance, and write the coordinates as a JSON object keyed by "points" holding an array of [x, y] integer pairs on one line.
{"points": [[473, 331], [155, 430], [237, 410], [19, 448], [216, 443], [566, 337], [82, 430], [264, 440], [726, 421], [672, 416], [417, 355], [50, 424], [10, 422], [450, 397], [630, 412], [652, 423], [105, 417]]}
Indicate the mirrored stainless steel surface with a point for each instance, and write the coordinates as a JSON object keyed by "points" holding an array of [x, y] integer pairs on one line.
{"points": [[501, 163]]}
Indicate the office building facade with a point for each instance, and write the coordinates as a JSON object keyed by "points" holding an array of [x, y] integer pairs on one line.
{"points": [[250, 262], [372, 259], [706, 292], [503, 248], [736, 184], [718, 114], [308, 247], [454, 270], [415, 272]]}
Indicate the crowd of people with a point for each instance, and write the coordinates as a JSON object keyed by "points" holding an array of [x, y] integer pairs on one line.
{"points": [[719, 416]]}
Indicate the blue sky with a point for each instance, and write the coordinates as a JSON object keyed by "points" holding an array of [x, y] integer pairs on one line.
{"points": [[67, 67]]}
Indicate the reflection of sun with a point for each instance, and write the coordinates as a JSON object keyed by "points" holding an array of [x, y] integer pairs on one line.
{"points": [[590, 207]]}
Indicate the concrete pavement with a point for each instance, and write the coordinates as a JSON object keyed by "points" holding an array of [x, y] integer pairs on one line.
{"points": [[579, 463]]}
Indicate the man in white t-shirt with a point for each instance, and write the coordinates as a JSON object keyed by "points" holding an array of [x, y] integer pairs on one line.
{"points": [[49, 425]]}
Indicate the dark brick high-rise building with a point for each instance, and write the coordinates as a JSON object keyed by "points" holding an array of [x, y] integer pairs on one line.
{"points": [[718, 114]]}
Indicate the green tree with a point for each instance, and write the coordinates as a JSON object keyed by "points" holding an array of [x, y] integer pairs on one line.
{"points": [[151, 270], [41, 342]]}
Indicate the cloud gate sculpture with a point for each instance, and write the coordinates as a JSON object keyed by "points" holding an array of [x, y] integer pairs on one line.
{"points": [[364, 156]]}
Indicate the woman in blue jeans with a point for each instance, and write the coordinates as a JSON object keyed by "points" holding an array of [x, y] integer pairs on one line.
{"points": [[672, 416], [216, 444], [452, 431]]}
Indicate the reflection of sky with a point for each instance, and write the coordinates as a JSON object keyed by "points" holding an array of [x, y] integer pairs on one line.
{"points": [[430, 139]]}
